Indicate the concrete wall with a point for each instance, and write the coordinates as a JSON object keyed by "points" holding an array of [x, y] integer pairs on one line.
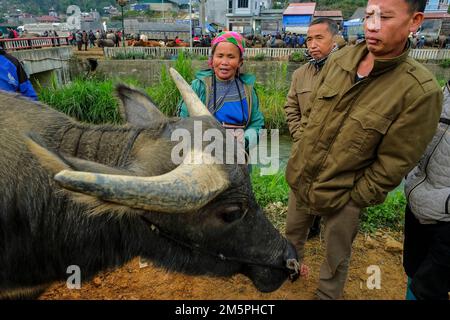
{"points": [[42, 64], [147, 72]]}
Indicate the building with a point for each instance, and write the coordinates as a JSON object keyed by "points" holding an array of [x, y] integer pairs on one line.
{"points": [[269, 21], [48, 19], [161, 5], [437, 6], [335, 15], [243, 14], [215, 12], [298, 16], [437, 20]]}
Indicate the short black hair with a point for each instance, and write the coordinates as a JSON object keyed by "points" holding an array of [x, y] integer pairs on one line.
{"points": [[416, 5], [332, 25]]}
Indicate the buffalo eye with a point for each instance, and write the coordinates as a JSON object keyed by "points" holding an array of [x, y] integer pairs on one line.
{"points": [[232, 213]]}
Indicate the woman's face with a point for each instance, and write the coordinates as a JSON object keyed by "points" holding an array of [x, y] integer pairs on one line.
{"points": [[226, 60]]}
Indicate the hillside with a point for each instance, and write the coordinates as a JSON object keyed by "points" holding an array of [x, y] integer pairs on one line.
{"points": [[348, 7], [40, 7]]}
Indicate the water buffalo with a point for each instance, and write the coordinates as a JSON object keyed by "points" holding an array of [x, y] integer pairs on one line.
{"points": [[95, 196], [105, 43]]}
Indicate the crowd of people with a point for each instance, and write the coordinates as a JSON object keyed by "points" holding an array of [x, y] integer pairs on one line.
{"points": [[89, 38]]}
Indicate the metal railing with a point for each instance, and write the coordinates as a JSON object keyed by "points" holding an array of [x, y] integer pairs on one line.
{"points": [[430, 54], [161, 52], [34, 43], [276, 53]]}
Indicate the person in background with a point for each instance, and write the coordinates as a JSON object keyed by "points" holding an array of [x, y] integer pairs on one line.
{"points": [[13, 77], [426, 254], [79, 40], [228, 94], [322, 39], [85, 39]]}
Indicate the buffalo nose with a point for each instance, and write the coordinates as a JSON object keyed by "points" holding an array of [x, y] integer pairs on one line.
{"points": [[291, 260]]}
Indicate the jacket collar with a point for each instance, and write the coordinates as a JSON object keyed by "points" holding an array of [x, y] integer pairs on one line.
{"points": [[350, 62]]}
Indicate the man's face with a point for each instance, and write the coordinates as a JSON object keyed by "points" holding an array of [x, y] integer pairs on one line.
{"points": [[319, 41], [387, 26]]}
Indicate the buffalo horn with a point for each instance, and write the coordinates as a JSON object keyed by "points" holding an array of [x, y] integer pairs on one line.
{"points": [[188, 187], [195, 106]]}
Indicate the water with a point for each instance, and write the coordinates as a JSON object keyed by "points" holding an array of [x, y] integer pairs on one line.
{"points": [[284, 151]]}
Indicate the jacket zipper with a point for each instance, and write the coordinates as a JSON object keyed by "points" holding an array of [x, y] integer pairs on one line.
{"points": [[446, 205]]}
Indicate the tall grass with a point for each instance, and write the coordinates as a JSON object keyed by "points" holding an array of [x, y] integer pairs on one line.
{"points": [[272, 98], [165, 94], [269, 188], [87, 100]]}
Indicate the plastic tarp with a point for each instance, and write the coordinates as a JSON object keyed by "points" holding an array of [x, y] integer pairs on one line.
{"points": [[297, 20]]}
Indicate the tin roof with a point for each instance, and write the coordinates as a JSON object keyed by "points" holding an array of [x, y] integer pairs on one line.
{"points": [[299, 9], [329, 13]]}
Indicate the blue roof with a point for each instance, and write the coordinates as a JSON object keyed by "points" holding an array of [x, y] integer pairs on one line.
{"points": [[181, 2]]}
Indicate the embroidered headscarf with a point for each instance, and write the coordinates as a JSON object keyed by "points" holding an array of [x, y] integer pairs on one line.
{"points": [[230, 36]]}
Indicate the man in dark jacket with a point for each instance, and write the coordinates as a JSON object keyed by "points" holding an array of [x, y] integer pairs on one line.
{"points": [[13, 77]]}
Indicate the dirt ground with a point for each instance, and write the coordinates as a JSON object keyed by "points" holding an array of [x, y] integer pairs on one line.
{"points": [[132, 283]]}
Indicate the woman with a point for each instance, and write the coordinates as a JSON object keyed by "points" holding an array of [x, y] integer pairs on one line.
{"points": [[229, 95]]}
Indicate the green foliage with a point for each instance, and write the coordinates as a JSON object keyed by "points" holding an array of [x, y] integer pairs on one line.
{"points": [[272, 97], [132, 56], [269, 189], [390, 214], [40, 7], [441, 82], [88, 100], [258, 57], [297, 56], [165, 94], [274, 189], [445, 63], [347, 7]]}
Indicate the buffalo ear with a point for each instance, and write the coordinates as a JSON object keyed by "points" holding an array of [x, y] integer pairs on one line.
{"points": [[137, 108]]}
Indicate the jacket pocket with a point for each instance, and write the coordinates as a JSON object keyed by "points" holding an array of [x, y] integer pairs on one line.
{"points": [[368, 129], [322, 104]]}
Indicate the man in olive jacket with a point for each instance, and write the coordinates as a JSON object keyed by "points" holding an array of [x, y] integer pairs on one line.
{"points": [[374, 110], [322, 39]]}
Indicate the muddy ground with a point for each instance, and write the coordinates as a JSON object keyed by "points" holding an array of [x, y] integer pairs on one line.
{"points": [[132, 282]]}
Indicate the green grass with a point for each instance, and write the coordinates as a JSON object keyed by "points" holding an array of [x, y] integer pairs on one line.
{"points": [[389, 214], [269, 188], [297, 57], [132, 56], [258, 57], [87, 100], [272, 98], [445, 63], [165, 94], [274, 189]]}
